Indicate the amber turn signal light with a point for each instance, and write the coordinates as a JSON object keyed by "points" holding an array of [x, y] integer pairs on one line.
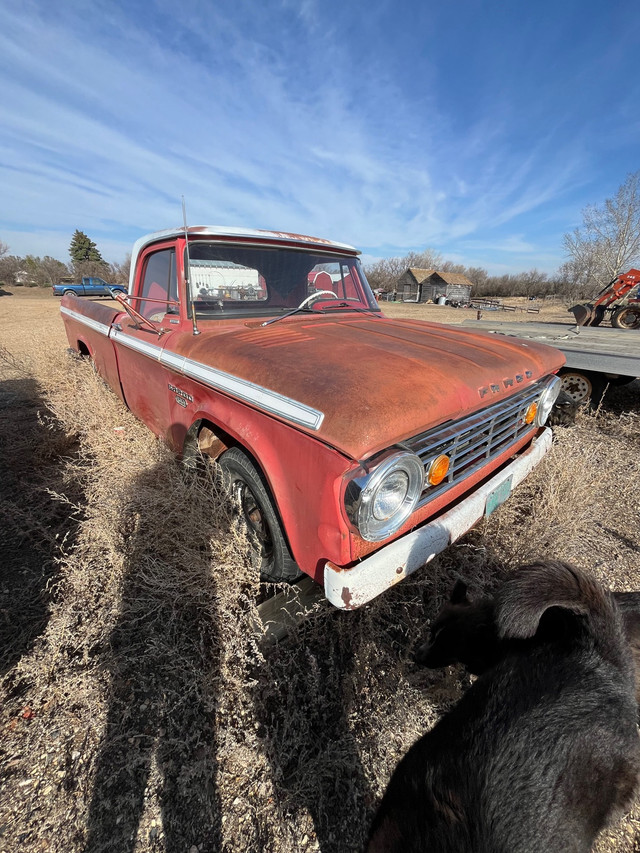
{"points": [[438, 470], [530, 414]]}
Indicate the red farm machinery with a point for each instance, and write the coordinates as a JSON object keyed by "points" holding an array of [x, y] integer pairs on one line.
{"points": [[613, 299]]}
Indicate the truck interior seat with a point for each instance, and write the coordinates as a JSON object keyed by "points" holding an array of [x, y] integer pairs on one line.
{"points": [[154, 310]]}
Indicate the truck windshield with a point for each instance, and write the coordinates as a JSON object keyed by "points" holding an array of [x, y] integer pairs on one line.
{"points": [[262, 281]]}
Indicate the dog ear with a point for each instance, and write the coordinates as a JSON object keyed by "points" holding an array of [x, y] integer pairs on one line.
{"points": [[459, 594], [533, 589]]}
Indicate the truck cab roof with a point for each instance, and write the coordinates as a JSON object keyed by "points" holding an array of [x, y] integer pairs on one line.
{"points": [[283, 238]]}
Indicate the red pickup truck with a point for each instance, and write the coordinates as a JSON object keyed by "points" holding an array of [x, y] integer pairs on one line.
{"points": [[357, 446]]}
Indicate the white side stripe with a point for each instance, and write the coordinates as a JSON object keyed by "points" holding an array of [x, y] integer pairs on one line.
{"points": [[265, 399], [145, 348], [262, 398], [102, 328]]}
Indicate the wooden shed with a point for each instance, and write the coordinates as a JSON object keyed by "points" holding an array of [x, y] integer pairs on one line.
{"points": [[417, 285]]}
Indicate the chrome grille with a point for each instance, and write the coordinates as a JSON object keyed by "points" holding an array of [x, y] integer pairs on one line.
{"points": [[473, 441]]}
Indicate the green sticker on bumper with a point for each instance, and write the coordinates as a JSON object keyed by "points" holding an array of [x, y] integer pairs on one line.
{"points": [[498, 496]]}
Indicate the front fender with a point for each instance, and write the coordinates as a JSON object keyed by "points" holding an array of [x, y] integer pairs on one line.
{"points": [[304, 475]]}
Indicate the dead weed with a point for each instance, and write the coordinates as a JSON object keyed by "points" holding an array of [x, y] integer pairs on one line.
{"points": [[140, 710]]}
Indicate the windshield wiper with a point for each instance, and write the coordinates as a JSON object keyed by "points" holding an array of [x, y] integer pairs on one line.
{"points": [[297, 310], [304, 305], [352, 308]]}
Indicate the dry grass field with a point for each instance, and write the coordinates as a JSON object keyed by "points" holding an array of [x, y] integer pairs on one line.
{"points": [[141, 712]]}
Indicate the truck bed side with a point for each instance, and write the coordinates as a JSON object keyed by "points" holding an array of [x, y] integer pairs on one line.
{"points": [[91, 336]]}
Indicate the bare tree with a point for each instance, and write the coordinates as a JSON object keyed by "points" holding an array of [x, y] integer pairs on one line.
{"points": [[478, 276], [4, 249], [384, 274], [9, 266], [100, 269], [42, 272], [608, 242], [120, 272], [52, 270]]}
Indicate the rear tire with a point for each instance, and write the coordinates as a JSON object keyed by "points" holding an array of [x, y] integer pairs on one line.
{"points": [[626, 317], [248, 489], [582, 386]]}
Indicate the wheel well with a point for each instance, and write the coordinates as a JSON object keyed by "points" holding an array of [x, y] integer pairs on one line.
{"points": [[206, 437], [83, 349], [212, 440]]}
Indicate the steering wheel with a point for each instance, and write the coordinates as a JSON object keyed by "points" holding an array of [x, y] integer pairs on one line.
{"points": [[314, 296]]}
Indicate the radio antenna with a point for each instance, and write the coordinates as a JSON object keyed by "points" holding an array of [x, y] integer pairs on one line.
{"points": [[187, 271]]}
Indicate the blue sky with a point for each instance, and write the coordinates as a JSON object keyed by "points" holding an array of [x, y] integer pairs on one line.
{"points": [[479, 129]]}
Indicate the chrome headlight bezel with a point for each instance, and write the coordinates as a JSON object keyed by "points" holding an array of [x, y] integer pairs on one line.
{"points": [[547, 399], [362, 493]]}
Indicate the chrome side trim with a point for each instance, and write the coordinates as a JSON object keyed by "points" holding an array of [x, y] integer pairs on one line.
{"points": [[262, 398], [351, 588], [101, 328], [143, 347]]}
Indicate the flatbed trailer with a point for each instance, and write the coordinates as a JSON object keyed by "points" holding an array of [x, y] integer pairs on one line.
{"points": [[596, 356]]}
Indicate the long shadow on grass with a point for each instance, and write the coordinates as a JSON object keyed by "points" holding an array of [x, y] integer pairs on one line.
{"points": [[163, 663], [33, 524], [619, 399], [305, 702]]}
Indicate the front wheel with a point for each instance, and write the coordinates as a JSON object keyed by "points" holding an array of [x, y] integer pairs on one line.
{"points": [[247, 488], [626, 317]]}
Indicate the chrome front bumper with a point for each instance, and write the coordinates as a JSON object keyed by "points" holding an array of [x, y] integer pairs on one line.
{"points": [[351, 588]]}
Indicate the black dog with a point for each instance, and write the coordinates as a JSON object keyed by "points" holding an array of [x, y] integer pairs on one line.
{"points": [[542, 749], [466, 632]]}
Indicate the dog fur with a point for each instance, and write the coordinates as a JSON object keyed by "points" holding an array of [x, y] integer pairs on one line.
{"points": [[466, 632], [543, 748]]}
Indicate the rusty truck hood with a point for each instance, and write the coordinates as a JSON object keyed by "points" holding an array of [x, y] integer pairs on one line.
{"points": [[375, 380]]}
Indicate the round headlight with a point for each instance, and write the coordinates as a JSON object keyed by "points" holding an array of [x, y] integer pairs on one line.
{"points": [[386, 497], [547, 400], [390, 495]]}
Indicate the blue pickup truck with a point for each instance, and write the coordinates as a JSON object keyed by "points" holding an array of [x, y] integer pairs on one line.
{"points": [[91, 286]]}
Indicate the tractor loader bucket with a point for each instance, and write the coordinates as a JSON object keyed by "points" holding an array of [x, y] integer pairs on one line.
{"points": [[583, 313]]}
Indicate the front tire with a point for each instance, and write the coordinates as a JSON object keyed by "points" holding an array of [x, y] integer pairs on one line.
{"points": [[248, 489]]}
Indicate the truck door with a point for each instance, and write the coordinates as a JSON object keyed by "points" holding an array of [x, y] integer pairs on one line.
{"points": [[144, 379]]}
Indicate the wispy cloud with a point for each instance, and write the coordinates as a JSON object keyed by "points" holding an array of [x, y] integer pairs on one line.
{"points": [[289, 116]]}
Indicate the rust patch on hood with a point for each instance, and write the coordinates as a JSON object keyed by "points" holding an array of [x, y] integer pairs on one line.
{"points": [[377, 381]]}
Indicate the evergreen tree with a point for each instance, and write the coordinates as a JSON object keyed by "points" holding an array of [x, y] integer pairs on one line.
{"points": [[83, 249]]}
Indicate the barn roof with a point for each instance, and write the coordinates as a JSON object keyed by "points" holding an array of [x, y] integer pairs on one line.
{"points": [[419, 274], [455, 278]]}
